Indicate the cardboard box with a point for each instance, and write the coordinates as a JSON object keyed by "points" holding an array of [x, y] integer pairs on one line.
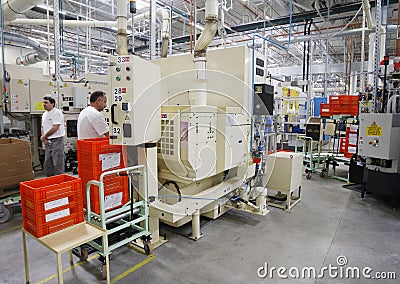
{"points": [[15, 162]]}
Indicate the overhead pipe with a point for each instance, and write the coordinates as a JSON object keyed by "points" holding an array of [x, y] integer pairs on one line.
{"points": [[210, 29], [31, 58], [161, 12], [397, 54], [122, 19], [200, 51], [13, 9]]}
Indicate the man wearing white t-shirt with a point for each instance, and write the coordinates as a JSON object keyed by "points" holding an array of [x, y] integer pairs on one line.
{"points": [[53, 137], [91, 123]]}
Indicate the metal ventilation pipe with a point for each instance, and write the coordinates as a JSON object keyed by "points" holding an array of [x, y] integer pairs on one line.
{"points": [[165, 30], [397, 55], [31, 58], [210, 28], [12, 9], [122, 18], [199, 96]]}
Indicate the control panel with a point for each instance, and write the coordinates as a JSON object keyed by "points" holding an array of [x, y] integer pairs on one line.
{"points": [[73, 97], [134, 100], [38, 90], [18, 96]]}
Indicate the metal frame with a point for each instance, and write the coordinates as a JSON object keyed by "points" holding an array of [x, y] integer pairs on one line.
{"points": [[312, 158], [140, 207]]}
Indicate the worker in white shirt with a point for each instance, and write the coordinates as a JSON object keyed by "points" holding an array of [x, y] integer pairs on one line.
{"points": [[91, 123], [53, 137]]}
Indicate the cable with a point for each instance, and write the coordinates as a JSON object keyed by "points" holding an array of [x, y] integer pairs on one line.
{"points": [[166, 183]]}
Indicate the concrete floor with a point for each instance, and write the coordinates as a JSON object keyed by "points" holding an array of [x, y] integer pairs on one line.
{"points": [[329, 222]]}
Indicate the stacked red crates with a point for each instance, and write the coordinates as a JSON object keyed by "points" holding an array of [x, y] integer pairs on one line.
{"points": [[343, 104], [350, 147], [51, 204], [93, 155]]}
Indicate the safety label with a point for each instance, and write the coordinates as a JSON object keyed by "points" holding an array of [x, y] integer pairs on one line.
{"points": [[374, 130]]}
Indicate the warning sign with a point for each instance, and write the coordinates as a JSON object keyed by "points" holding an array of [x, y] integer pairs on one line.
{"points": [[374, 130]]}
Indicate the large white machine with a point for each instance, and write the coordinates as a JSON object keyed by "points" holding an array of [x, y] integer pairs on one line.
{"points": [[201, 121]]}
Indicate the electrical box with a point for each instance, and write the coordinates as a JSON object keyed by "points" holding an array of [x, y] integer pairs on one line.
{"points": [[73, 97], [134, 100], [379, 135], [284, 171], [263, 99], [18, 96], [39, 89]]}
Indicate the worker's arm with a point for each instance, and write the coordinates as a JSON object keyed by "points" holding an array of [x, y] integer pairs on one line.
{"points": [[52, 130]]}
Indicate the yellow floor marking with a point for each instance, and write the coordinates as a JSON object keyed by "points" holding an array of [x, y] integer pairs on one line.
{"points": [[137, 266], [10, 230], [68, 269]]}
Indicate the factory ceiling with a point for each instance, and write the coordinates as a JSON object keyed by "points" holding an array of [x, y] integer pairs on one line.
{"points": [[331, 24]]}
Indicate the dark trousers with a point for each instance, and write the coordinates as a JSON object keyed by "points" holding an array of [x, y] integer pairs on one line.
{"points": [[54, 157]]}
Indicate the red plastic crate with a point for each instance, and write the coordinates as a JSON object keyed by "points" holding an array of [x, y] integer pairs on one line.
{"points": [[97, 145], [47, 205], [353, 100], [342, 144], [325, 110], [334, 100], [64, 212], [90, 168], [50, 188], [53, 226]]}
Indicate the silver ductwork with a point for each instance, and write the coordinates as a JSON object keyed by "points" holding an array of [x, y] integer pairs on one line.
{"points": [[210, 28], [39, 55], [12, 9]]}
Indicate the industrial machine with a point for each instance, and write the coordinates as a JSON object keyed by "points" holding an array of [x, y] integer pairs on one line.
{"points": [[204, 162], [378, 143]]}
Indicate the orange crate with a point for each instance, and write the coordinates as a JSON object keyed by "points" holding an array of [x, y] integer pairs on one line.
{"points": [[97, 145], [353, 100], [325, 110], [334, 100], [66, 211], [342, 148], [44, 205], [53, 226], [50, 188]]}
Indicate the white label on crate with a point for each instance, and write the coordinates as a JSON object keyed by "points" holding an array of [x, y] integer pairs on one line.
{"points": [[57, 215], [56, 203], [352, 150], [353, 127], [353, 136], [353, 141], [113, 200], [109, 161]]}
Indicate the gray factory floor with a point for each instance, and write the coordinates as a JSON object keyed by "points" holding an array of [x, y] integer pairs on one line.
{"points": [[329, 224]]}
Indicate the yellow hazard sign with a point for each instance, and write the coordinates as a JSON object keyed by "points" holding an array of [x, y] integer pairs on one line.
{"points": [[39, 106], [50, 84], [374, 130], [20, 81], [65, 85], [127, 117]]}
